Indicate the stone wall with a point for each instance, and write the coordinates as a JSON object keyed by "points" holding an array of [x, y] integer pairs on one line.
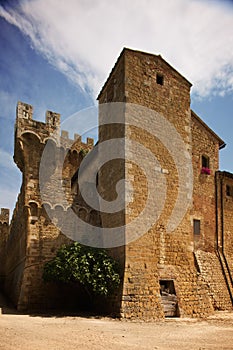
{"points": [[204, 143], [4, 231], [168, 253], [33, 238], [16, 250], [211, 271], [224, 183], [158, 254], [158, 135]]}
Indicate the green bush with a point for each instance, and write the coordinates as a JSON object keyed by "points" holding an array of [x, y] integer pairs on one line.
{"points": [[92, 267]]}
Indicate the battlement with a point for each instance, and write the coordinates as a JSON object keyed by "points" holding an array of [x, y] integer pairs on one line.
{"points": [[52, 119], [77, 139], [4, 215], [24, 119], [24, 110], [51, 127]]}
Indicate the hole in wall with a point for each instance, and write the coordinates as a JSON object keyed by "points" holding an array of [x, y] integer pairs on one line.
{"points": [[169, 298], [159, 79]]}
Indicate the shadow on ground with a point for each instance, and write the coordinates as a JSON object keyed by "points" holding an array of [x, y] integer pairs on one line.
{"points": [[6, 307]]}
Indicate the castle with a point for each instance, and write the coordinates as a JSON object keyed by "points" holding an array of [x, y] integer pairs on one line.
{"points": [[188, 259]]}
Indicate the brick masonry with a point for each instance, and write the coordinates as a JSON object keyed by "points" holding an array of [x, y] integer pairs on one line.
{"points": [[151, 88], [33, 239]]}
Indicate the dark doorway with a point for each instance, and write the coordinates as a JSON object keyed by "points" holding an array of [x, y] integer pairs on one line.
{"points": [[169, 298]]}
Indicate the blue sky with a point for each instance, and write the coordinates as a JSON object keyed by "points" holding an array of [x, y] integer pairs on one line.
{"points": [[57, 57]]}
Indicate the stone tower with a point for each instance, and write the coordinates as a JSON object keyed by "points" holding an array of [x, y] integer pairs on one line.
{"points": [[166, 208], [155, 113], [33, 238]]}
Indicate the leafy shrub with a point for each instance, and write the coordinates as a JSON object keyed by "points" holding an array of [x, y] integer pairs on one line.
{"points": [[92, 267]]}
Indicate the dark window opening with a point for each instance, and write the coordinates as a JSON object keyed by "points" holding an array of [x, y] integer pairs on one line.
{"points": [[205, 162], [159, 79], [25, 114], [229, 190], [33, 212], [53, 121], [196, 227]]}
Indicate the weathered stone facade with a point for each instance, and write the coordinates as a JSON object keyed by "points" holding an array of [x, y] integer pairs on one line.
{"points": [[33, 238], [4, 231], [193, 260]]}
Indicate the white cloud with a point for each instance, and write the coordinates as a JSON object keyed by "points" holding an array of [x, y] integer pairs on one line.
{"points": [[83, 38]]}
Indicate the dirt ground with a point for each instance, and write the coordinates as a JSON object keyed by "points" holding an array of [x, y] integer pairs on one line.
{"points": [[24, 332], [47, 332]]}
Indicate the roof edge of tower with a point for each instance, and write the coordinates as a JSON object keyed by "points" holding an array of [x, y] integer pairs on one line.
{"points": [[125, 49]]}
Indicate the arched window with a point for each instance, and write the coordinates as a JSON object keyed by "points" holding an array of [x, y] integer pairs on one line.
{"points": [[33, 212]]}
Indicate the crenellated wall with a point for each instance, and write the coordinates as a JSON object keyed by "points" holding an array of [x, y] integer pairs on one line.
{"points": [[193, 260], [48, 161]]}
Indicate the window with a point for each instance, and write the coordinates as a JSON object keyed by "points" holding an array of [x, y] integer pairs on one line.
{"points": [[159, 79], [196, 227], [25, 114], [205, 162], [33, 212], [229, 190], [205, 165]]}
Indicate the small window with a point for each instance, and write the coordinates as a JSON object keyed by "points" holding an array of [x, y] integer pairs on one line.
{"points": [[205, 165], [229, 190], [159, 79], [196, 227], [205, 161], [25, 114]]}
